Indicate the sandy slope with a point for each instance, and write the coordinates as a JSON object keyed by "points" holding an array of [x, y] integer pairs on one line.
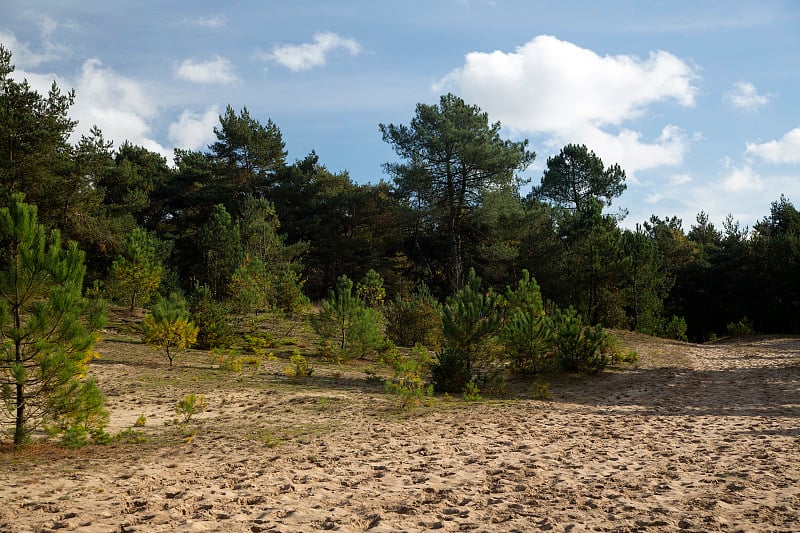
{"points": [[699, 438]]}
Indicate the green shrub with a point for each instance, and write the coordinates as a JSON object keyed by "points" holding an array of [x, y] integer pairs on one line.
{"points": [[527, 332], [211, 319], [168, 326], [366, 335], [408, 373], [416, 319], [287, 290], [450, 373], [616, 352], [540, 389], [259, 342], [346, 325], [471, 393], [742, 327], [299, 367], [675, 328], [370, 289], [469, 322], [130, 436], [578, 347], [527, 338], [83, 416], [190, 405]]}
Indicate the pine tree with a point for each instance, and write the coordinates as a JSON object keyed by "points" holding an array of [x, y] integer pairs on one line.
{"points": [[168, 326], [526, 332], [46, 329], [136, 273], [469, 320]]}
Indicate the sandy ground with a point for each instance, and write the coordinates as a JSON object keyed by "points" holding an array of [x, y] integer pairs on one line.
{"points": [[696, 438]]}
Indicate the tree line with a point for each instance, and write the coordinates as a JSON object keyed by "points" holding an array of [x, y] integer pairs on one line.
{"points": [[238, 217]]}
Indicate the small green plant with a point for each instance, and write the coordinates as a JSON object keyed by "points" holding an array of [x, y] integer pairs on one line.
{"points": [[259, 342], [407, 376], [231, 361], [540, 389], [329, 352], [140, 422], [616, 353], [299, 367], [168, 326], [741, 328], [189, 433], [471, 393], [675, 328], [130, 436], [190, 405]]}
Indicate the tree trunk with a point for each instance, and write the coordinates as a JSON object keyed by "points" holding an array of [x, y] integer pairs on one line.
{"points": [[19, 428]]}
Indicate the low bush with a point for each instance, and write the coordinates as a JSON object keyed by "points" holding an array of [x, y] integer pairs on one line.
{"points": [[578, 347], [191, 405], [299, 367], [408, 372]]}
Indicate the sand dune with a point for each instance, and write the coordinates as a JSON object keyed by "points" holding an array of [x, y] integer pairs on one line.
{"points": [[695, 438]]}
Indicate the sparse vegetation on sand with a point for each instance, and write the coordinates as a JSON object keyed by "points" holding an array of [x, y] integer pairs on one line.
{"points": [[696, 437]]}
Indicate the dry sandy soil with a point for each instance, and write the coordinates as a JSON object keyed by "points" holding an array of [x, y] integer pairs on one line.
{"points": [[694, 437]]}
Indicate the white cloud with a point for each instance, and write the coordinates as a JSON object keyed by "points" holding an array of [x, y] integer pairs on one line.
{"points": [[739, 190], [119, 106], [741, 180], [785, 150], [23, 55], [217, 70], [630, 149], [41, 83], [744, 97], [549, 85], [305, 56], [653, 198], [193, 131], [570, 94], [214, 21], [680, 179]]}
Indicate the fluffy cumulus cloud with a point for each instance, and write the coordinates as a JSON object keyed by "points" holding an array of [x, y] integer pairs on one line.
{"points": [[194, 131], [628, 147], [784, 150], [744, 97], [217, 70], [305, 56], [739, 191], [119, 106], [739, 180], [569, 93]]}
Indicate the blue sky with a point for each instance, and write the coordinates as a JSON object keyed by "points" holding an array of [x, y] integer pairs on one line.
{"points": [[697, 100]]}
